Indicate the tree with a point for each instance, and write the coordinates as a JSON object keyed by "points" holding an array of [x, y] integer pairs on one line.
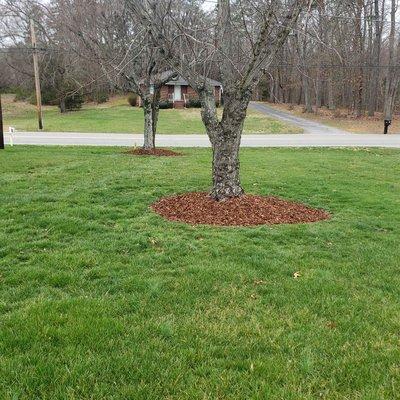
{"points": [[241, 42], [393, 73], [107, 33]]}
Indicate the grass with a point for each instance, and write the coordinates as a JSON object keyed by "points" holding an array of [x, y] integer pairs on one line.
{"points": [[346, 121], [118, 117], [102, 299]]}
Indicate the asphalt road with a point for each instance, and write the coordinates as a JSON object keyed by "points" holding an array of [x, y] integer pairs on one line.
{"points": [[315, 135], [114, 139]]}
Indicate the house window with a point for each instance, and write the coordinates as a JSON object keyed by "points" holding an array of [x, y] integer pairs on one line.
{"points": [[151, 89]]}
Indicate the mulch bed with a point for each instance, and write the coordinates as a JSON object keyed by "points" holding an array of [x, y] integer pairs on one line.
{"points": [[247, 210], [140, 151]]}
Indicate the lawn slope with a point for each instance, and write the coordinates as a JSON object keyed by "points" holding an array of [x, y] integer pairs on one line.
{"points": [[117, 116], [102, 299]]}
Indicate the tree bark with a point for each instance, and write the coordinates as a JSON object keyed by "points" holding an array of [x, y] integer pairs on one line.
{"points": [[155, 109], [63, 108], [225, 138], [148, 125], [331, 95], [226, 165], [307, 94]]}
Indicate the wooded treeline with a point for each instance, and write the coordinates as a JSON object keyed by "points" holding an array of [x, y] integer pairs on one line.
{"points": [[65, 68], [343, 54]]}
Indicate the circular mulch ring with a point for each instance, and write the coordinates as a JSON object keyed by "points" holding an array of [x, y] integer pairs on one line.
{"points": [[154, 152], [247, 210]]}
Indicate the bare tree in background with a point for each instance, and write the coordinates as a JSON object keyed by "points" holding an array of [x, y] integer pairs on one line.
{"points": [[241, 42], [107, 33], [393, 73]]}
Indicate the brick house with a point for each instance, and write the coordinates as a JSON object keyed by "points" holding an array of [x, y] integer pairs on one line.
{"points": [[179, 92]]}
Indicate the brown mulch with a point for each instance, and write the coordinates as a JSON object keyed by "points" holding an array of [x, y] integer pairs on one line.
{"points": [[247, 210], [140, 151]]}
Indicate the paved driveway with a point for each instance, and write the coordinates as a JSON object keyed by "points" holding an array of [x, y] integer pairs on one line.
{"points": [[307, 125]]}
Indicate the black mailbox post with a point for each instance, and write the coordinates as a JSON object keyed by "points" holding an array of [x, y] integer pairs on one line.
{"points": [[388, 122]]}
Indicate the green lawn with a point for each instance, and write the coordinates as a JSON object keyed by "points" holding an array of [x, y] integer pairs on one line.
{"points": [[102, 299], [117, 116]]}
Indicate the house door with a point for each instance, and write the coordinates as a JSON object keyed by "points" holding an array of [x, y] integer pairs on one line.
{"points": [[177, 93]]}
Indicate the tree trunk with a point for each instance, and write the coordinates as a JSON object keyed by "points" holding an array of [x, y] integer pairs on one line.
{"points": [[226, 165], [307, 95], [318, 90], [225, 138], [331, 96], [63, 107], [148, 125], [392, 75], [375, 72], [155, 109], [359, 95]]}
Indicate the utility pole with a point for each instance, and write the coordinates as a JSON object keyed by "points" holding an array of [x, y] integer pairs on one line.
{"points": [[1, 127], [37, 77]]}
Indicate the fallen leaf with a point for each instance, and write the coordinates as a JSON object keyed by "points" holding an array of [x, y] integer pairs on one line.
{"points": [[296, 275], [331, 325]]}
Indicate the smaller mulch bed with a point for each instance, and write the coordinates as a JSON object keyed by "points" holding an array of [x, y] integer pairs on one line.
{"points": [[247, 210], [154, 152]]}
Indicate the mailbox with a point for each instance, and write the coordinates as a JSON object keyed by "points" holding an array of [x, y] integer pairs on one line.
{"points": [[388, 122]]}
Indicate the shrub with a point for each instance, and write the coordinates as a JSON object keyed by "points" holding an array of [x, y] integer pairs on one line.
{"points": [[98, 96], [193, 103], [165, 105], [102, 97], [49, 97], [132, 99], [21, 94], [73, 102], [196, 103]]}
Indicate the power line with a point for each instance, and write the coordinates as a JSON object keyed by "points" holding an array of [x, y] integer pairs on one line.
{"points": [[5, 50], [328, 66]]}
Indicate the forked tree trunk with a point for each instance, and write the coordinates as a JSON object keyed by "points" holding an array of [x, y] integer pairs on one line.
{"points": [[148, 143], [225, 138]]}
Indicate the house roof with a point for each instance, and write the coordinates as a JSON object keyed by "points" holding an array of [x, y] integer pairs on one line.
{"points": [[179, 81]]}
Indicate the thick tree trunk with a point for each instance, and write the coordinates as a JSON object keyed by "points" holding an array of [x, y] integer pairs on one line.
{"points": [[226, 165], [225, 138], [148, 125]]}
